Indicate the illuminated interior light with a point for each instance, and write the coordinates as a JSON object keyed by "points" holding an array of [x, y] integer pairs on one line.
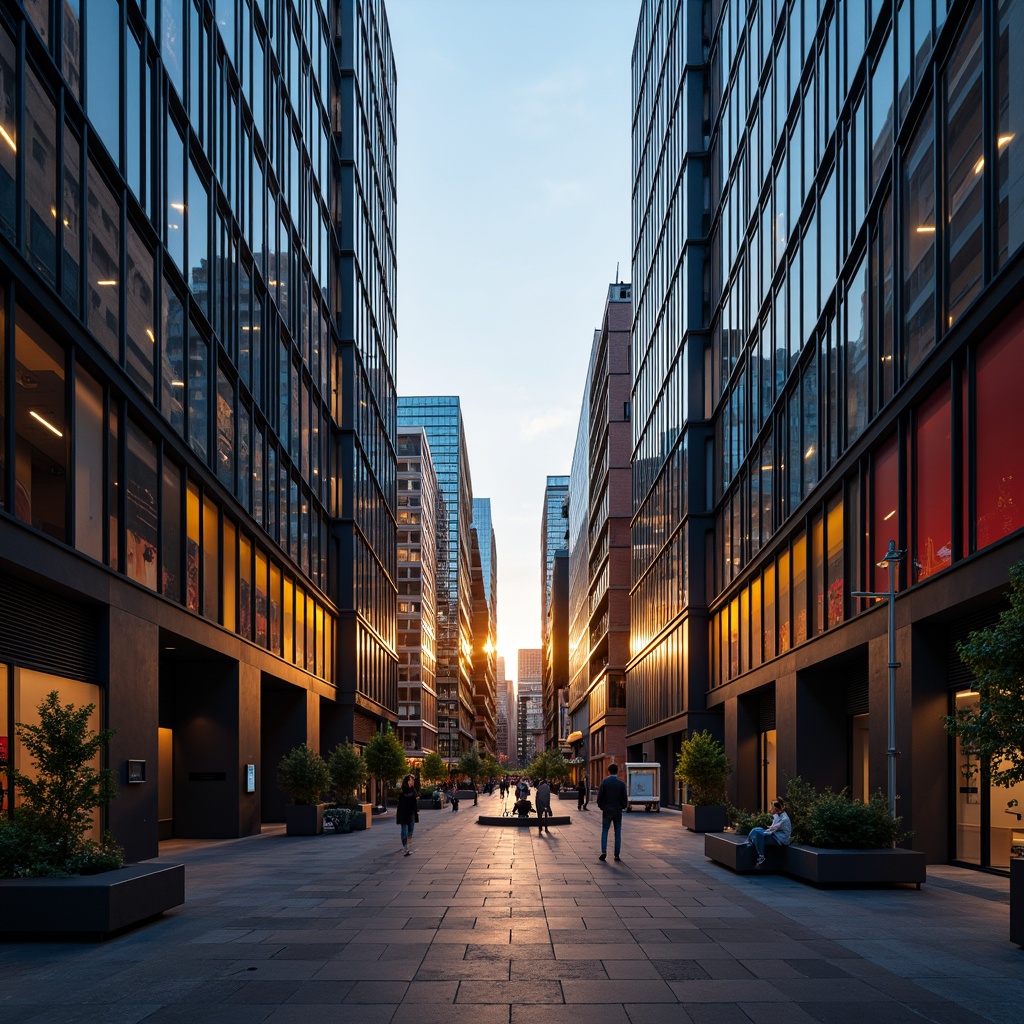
{"points": [[108, 282], [926, 229], [889, 516], [150, 335], [1005, 140], [808, 453], [177, 383], [980, 165], [53, 212], [46, 423], [273, 284], [8, 139]]}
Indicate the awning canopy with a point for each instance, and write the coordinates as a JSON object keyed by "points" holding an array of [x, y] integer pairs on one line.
{"points": [[574, 737]]}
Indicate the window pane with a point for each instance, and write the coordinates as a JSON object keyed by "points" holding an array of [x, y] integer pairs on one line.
{"points": [[103, 73], [933, 487], [225, 430], [175, 196], [211, 560], [857, 354], [172, 372], [835, 581], [8, 136], [90, 434], [783, 606], [919, 244], [170, 508], [141, 526], [799, 590], [198, 392], [881, 113], [41, 469], [245, 593], [192, 548], [1009, 128], [261, 598], [40, 179], [71, 210], [885, 511], [198, 240], [172, 46], [227, 591], [964, 166], [141, 347], [1000, 465], [103, 314]]}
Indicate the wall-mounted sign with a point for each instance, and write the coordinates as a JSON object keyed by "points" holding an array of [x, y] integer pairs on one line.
{"points": [[136, 771], [250, 778]]}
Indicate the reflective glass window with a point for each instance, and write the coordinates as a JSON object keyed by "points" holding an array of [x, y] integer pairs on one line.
{"points": [[104, 235], [885, 521], [835, 580], [90, 436], [71, 45], [881, 112], [40, 178], [174, 191], [140, 349], [1009, 128], [103, 73], [71, 216], [261, 598], [857, 313], [41, 435], [114, 557], [227, 590], [225, 430], [964, 165], [170, 526], [211, 560], [245, 590], [198, 239], [198, 392], [919, 244], [172, 43], [136, 128], [141, 523], [799, 590], [172, 361]]}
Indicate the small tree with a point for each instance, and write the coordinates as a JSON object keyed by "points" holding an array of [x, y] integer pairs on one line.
{"points": [[348, 772], [703, 767], [303, 775], [471, 765], [550, 765], [58, 802], [993, 729], [385, 760], [434, 769]]}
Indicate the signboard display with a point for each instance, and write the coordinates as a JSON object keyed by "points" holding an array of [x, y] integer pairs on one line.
{"points": [[250, 778]]}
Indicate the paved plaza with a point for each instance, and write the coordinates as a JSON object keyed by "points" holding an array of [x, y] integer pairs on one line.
{"points": [[502, 926]]}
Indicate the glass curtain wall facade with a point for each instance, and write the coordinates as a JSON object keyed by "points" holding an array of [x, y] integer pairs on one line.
{"points": [[863, 267], [177, 286], [554, 530], [365, 313], [417, 595], [441, 419]]}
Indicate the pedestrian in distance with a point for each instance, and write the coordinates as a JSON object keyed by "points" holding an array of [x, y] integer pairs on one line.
{"points": [[407, 813], [543, 805], [613, 799], [582, 795]]}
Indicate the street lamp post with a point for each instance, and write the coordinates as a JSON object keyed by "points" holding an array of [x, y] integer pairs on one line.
{"points": [[890, 560]]}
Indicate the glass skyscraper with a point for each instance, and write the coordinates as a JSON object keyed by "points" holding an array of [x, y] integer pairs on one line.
{"points": [[827, 228], [441, 419], [196, 387]]}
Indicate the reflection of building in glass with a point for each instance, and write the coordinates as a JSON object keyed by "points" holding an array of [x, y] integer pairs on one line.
{"points": [[441, 420], [821, 360], [530, 700], [197, 410], [506, 716], [417, 597], [553, 538], [485, 626]]}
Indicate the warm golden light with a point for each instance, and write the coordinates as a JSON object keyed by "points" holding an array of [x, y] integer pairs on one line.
{"points": [[1005, 140], [8, 139], [926, 229], [46, 423], [889, 516], [150, 335], [180, 207], [107, 283], [177, 383]]}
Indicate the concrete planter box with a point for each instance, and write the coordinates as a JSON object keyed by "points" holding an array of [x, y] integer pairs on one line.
{"points": [[514, 822], [90, 906], [1017, 900], [818, 866], [704, 819], [429, 804], [304, 819]]}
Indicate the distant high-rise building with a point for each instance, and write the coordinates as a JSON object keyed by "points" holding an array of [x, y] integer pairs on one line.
{"points": [[197, 412], [441, 419], [554, 530], [505, 717], [828, 206], [485, 625], [530, 701], [600, 508], [418, 504]]}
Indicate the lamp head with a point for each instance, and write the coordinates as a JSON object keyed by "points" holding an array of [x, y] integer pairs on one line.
{"points": [[891, 556]]}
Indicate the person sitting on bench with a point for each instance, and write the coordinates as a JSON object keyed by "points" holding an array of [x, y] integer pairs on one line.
{"points": [[522, 807]]}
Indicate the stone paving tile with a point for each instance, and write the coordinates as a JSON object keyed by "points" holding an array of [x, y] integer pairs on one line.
{"points": [[594, 991], [297, 1013], [469, 1013], [656, 1013], [362, 970], [510, 991], [631, 970], [610, 1013], [600, 951], [726, 991]]}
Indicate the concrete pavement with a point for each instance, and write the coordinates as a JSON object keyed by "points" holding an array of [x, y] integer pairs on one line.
{"points": [[489, 925]]}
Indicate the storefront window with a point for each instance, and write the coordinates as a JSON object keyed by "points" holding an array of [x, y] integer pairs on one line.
{"points": [[261, 598], [41, 435], [289, 619], [211, 560], [817, 574], [755, 623], [90, 434], [245, 592], [275, 608], [885, 511], [141, 523], [933, 487], [227, 590], [170, 508], [300, 626], [769, 613], [783, 606], [834, 580], [192, 548], [799, 590]]}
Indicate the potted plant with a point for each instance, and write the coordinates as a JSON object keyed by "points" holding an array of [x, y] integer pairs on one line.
{"points": [[993, 728], [385, 761], [703, 768], [348, 773], [303, 775], [433, 771], [44, 847], [471, 765]]}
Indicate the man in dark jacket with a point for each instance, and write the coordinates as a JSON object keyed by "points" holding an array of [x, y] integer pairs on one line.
{"points": [[613, 799], [543, 805], [582, 795]]}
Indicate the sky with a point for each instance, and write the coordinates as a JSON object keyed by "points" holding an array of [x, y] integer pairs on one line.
{"points": [[513, 218]]}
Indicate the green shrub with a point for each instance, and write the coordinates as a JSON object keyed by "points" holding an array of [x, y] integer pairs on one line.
{"points": [[348, 772], [303, 775], [800, 800], [743, 821], [704, 768], [339, 818]]}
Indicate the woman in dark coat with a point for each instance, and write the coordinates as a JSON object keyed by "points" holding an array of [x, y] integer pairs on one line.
{"points": [[407, 813]]}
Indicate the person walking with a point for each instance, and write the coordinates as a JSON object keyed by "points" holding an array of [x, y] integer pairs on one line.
{"points": [[613, 799], [582, 795], [543, 805], [407, 813]]}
